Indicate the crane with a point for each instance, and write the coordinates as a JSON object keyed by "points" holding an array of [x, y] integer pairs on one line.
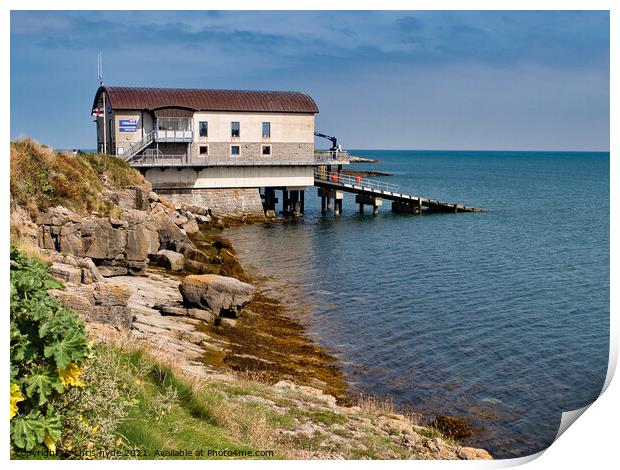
{"points": [[334, 140]]}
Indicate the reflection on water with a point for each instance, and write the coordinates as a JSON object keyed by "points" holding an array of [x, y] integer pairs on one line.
{"points": [[502, 316]]}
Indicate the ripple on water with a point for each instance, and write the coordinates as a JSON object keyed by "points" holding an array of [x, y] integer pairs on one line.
{"points": [[502, 316]]}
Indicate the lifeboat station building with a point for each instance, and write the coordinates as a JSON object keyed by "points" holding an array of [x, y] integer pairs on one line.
{"points": [[214, 147]]}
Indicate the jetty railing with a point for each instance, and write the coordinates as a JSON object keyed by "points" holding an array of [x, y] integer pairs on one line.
{"points": [[355, 181]]}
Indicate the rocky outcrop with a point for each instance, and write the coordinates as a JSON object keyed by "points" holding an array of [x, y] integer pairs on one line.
{"points": [[224, 296], [73, 269], [117, 246], [100, 302]]}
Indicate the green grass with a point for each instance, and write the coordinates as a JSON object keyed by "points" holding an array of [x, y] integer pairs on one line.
{"points": [[170, 414]]}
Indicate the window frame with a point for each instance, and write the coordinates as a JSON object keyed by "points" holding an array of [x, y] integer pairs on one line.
{"points": [[238, 151], [201, 154], [232, 130], [206, 128], [268, 135], [262, 150]]}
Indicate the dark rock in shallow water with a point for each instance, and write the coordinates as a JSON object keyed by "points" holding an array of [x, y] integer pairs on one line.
{"points": [[224, 296], [450, 426]]}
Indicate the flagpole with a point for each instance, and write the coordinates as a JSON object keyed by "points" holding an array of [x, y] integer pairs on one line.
{"points": [[105, 108]]}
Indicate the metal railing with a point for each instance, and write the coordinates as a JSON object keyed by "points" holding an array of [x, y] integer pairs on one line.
{"points": [[355, 181], [136, 147]]}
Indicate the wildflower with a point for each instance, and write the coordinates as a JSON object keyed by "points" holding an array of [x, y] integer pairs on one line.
{"points": [[71, 375], [16, 397], [50, 443]]}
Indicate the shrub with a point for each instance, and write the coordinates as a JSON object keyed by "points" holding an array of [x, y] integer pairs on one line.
{"points": [[48, 346], [90, 415]]}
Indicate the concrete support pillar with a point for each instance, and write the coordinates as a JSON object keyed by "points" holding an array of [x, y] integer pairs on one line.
{"points": [[295, 202], [375, 202], [329, 197], [302, 196], [337, 206], [285, 202]]}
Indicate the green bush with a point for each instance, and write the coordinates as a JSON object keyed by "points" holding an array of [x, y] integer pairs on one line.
{"points": [[48, 347]]}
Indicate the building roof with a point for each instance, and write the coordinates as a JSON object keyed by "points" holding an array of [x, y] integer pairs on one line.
{"points": [[207, 100]]}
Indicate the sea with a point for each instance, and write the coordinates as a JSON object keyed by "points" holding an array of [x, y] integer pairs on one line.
{"points": [[499, 317]]}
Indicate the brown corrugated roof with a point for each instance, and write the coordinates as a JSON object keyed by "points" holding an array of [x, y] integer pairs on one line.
{"points": [[208, 100]]}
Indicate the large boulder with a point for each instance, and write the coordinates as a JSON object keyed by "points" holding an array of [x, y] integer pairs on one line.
{"points": [[224, 296]]}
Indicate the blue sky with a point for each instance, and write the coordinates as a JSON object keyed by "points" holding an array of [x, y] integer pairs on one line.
{"points": [[387, 80]]}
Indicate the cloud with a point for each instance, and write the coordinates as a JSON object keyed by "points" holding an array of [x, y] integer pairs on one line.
{"points": [[361, 66]]}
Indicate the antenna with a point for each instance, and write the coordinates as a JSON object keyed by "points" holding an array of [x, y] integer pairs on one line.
{"points": [[100, 68]]}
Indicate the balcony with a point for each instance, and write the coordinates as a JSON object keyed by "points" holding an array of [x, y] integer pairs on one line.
{"points": [[171, 129]]}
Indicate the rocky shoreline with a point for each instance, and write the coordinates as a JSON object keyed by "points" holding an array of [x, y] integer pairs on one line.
{"points": [[160, 276]]}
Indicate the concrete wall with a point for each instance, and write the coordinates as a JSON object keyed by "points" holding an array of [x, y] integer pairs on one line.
{"points": [[251, 151], [123, 139], [230, 177], [285, 127], [231, 201]]}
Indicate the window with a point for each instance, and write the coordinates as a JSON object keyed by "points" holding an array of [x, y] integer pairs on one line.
{"points": [[266, 129], [266, 150], [234, 150], [235, 129], [204, 150], [203, 129]]}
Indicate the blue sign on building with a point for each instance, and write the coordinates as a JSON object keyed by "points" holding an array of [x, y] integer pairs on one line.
{"points": [[128, 125]]}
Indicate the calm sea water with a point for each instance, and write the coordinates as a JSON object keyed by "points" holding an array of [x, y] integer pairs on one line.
{"points": [[501, 317]]}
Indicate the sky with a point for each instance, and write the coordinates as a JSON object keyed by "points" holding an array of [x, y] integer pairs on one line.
{"points": [[455, 80]]}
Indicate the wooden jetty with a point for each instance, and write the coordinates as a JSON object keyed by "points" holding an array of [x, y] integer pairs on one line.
{"points": [[332, 186]]}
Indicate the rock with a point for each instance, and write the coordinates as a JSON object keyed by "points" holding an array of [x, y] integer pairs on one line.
{"points": [[169, 259], [270, 214], [224, 296], [66, 273], [111, 295], [191, 226], [101, 240], [101, 302], [112, 268], [177, 309], [170, 235], [167, 203], [203, 219], [192, 253], [75, 301], [471, 453], [153, 197], [22, 224]]}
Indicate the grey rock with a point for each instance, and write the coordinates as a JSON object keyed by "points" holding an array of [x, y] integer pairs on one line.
{"points": [[224, 296], [66, 273], [169, 259]]}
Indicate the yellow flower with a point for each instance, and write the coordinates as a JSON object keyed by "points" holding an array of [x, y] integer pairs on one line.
{"points": [[71, 375], [50, 443], [16, 397]]}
